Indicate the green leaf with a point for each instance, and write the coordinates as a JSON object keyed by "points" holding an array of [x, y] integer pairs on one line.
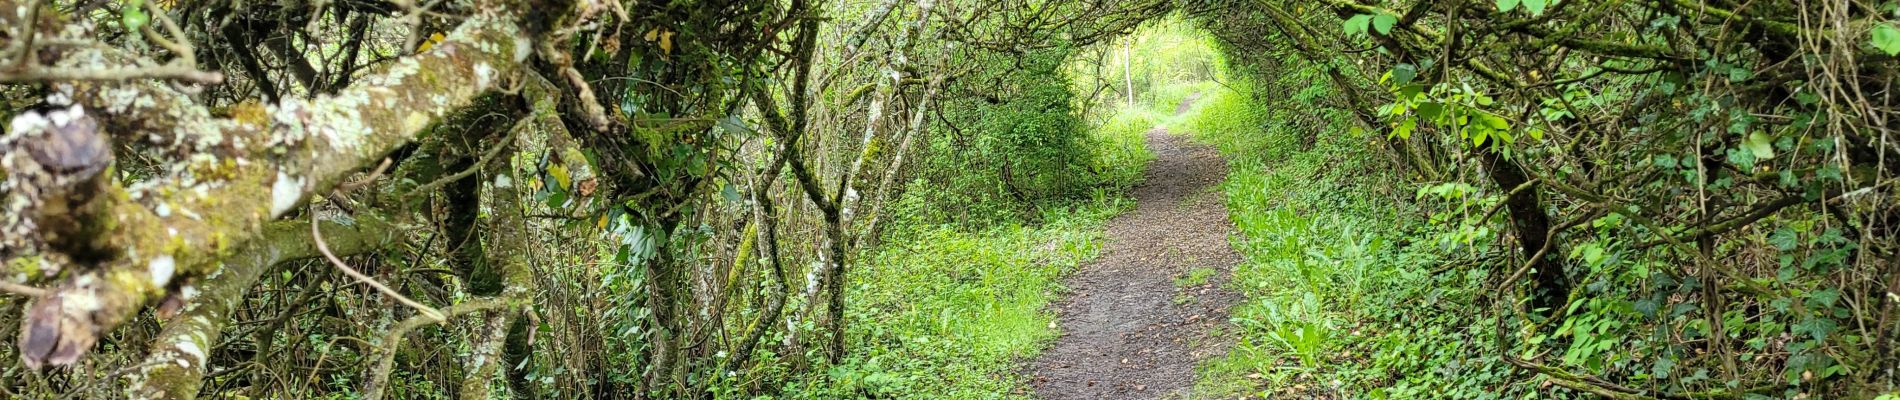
{"points": [[133, 18], [1826, 297], [1887, 39], [1817, 328], [1383, 23], [1593, 255], [1494, 122], [1410, 91], [1761, 145], [1430, 110], [1357, 24], [734, 125], [1536, 7], [1403, 74], [730, 193], [1784, 239], [1507, 5]]}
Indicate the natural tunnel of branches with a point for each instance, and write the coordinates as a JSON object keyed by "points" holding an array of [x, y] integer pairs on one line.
{"points": [[676, 199]]}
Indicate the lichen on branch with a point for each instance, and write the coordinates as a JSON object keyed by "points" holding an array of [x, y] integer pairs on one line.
{"points": [[184, 222]]}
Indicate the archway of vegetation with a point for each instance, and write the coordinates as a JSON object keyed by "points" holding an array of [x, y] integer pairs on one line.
{"points": [[830, 199]]}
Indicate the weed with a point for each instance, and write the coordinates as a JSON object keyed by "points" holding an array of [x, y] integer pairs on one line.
{"points": [[1194, 277]]}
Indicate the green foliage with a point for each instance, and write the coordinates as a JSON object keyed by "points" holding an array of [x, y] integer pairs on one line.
{"points": [[1365, 24], [1011, 195], [1336, 306], [1453, 108], [1013, 146], [1886, 37], [1162, 62], [1535, 7], [1685, 204], [956, 310], [1121, 148]]}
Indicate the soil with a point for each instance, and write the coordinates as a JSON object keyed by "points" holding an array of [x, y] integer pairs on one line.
{"points": [[1134, 325]]}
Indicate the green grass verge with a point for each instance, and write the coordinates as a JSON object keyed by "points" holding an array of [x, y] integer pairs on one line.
{"points": [[1339, 304], [952, 312]]}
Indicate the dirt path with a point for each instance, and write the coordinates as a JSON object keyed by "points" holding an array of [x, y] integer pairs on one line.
{"points": [[1136, 320]]}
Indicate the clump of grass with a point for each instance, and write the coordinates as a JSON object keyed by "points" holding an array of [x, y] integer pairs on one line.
{"points": [[1194, 277]]}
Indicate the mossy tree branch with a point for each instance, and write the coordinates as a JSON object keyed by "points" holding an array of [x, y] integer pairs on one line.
{"points": [[175, 367], [183, 223]]}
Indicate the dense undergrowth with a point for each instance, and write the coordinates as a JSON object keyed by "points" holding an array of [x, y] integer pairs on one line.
{"points": [[957, 293], [1000, 210], [957, 308], [957, 305], [1340, 301], [1380, 265]]}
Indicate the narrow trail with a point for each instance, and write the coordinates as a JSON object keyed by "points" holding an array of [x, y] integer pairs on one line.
{"points": [[1129, 329]]}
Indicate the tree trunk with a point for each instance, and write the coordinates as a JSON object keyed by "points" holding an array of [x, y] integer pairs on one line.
{"points": [[1552, 288]]}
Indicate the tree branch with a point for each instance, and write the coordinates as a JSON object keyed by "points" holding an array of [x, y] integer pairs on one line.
{"points": [[175, 367], [290, 151]]}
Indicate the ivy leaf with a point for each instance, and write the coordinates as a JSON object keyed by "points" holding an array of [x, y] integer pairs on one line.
{"points": [[1663, 367], [1784, 239], [1507, 5], [1887, 39], [1817, 328], [1383, 23], [1761, 145], [1826, 297]]}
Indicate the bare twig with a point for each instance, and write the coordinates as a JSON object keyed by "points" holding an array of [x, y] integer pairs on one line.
{"points": [[347, 187], [316, 234], [21, 289], [180, 42], [29, 31], [167, 72]]}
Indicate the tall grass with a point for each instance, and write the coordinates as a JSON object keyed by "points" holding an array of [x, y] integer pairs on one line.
{"points": [[949, 315]]}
